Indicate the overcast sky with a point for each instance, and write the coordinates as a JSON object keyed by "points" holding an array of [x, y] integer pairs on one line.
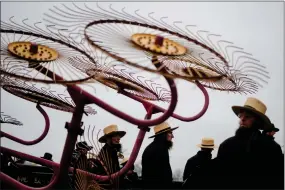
{"points": [[258, 27]]}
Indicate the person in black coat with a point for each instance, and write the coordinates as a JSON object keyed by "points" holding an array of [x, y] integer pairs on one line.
{"points": [[107, 161], [156, 169], [130, 178], [197, 166], [275, 160], [241, 157]]}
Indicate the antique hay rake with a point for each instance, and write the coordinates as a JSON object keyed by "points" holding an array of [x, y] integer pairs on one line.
{"points": [[64, 52]]}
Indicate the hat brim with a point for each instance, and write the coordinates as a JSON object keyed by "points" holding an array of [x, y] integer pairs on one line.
{"points": [[90, 148], [273, 129], [238, 109], [211, 147], [124, 163], [85, 147], [159, 133], [103, 139], [46, 158]]}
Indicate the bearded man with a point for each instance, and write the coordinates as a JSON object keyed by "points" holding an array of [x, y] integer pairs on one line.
{"points": [[156, 169], [107, 161], [242, 156]]}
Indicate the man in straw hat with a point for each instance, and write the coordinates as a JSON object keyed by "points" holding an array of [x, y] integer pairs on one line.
{"points": [[201, 167], [108, 160], [202, 157], [156, 169], [242, 155]]}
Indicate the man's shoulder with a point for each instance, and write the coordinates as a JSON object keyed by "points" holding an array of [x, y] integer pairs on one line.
{"points": [[153, 149], [195, 157], [150, 147], [229, 140]]}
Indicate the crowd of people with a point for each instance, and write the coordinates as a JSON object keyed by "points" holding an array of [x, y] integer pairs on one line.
{"points": [[250, 159]]}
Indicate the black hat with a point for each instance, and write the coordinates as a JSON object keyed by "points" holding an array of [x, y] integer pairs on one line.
{"points": [[271, 128], [47, 156], [83, 145]]}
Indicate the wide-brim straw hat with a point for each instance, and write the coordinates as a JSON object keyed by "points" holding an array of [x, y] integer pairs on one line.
{"points": [[255, 106], [124, 161], [207, 143], [162, 128], [111, 130]]}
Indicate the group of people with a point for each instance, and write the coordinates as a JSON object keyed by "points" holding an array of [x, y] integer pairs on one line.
{"points": [[106, 162], [249, 159]]}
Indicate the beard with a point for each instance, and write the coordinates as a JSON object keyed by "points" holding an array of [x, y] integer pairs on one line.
{"points": [[169, 145], [118, 147], [244, 132]]}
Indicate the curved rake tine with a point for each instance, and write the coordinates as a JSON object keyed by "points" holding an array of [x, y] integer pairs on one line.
{"points": [[9, 120], [181, 118], [39, 139]]}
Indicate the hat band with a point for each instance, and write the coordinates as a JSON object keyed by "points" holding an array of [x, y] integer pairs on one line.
{"points": [[166, 129], [111, 133], [246, 106], [207, 145], [83, 146]]}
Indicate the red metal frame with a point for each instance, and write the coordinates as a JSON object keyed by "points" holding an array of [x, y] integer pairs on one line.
{"points": [[81, 98], [33, 142]]}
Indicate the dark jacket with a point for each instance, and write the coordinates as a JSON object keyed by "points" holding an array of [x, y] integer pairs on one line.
{"points": [[156, 169], [129, 181], [273, 162], [204, 177], [195, 162], [200, 172], [106, 164]]}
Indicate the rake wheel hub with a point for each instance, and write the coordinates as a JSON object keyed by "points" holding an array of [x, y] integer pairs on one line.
{"points": [[32, 51]]}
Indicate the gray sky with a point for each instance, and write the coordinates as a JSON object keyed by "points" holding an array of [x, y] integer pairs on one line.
{"points": [[257, 27]]}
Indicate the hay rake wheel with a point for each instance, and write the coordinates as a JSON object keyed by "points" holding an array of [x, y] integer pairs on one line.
{"points": [[207, 76], [122, 78], [111, 31], [9, 120], [42, 96], [26, 49]]}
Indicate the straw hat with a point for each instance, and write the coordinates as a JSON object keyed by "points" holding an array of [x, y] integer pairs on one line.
{"points": [[207, 143], [254, 106], [110, 131], [162, 128], [124, 161]]}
